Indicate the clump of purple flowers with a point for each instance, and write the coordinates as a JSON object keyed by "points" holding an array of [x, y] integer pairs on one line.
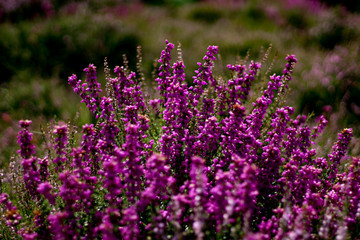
{"points": [[204, 164]]}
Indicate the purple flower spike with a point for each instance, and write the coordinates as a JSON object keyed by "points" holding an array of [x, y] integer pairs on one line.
{"points": [[204, 74], [322, 122], [12, 215], [159, 182], [198, 195], [88, 91], [353, 180], [61, 141], [236, 139], [134, 169], [112, 181], [255, 118], [164, 70], [31, 175], [242, 201], [27, 235], [59, 228], [107, 109], [88, 145], [130, 220], [288, 70], [24, 139], [43, 170], [44, 189], [110, 218], [93, 88], [339, 151], [107, 142]]}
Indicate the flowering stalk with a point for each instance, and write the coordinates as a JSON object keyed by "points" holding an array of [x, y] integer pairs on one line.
{"points": [[12, 215], [88, 91], [339, 151], [31, 175], [204, 75], [61, 140], [24, 139], [164, 70], [134, 169], [197, 195]]}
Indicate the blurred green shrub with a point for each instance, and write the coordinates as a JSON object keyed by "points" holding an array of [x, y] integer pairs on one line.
{"points": [[168, 2], [297, 19], [252, 46], [206, 13], [331, 31], [10, 57], [350, 5], [334, 87], [254, 12], [64, 45]]}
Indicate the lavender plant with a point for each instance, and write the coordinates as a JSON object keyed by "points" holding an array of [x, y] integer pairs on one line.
{"points": [[200, 162]]}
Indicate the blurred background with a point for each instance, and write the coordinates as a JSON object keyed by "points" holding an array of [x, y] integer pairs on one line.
{"points": [[42, 42]]}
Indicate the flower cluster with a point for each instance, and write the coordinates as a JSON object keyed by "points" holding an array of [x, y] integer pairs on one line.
{"points": [[208, 165]]}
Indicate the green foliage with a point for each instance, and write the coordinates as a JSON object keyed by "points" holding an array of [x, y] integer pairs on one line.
{"points": [[206, 14], [168, 2], [66, 44], [332, 31], [251, 46], [297, 19]]}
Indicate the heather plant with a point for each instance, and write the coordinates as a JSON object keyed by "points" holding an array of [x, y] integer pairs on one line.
{"points": [[202, 161]]}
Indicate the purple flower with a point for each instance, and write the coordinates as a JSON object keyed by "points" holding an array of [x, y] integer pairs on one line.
{"points": [[236, 139], [61, 226], [61, 140], [107, 109], [243, 199], [44, 189], [158, 182], [206, 142], [239, 87], [198, 194], [322, 122], [27, 235], [93, 88], [255, 118], [134, 170], [88, 91], [177, 115], [12, 215], [164, 70], [43, 170], [339, 151], [88, 145], [31, 175], [107, 142], [271, 159], [130, 221], [219, 194], [289, 67], [113, 168], [107, 228], [24, 139], [204, 75]]}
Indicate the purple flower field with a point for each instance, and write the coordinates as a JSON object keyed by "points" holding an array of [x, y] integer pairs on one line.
{"points": [[202, 161]]}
